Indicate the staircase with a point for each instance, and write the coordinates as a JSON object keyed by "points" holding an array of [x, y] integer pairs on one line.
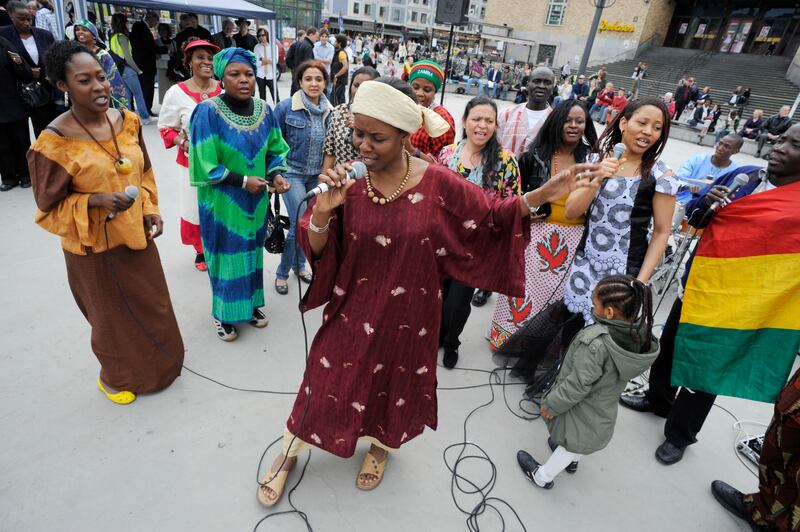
{"points": [[765, 75]]}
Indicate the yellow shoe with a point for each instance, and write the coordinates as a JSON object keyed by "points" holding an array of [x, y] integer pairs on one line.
{"points": [[121, 398]]}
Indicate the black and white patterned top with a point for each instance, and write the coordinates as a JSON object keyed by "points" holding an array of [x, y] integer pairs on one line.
{"points": [[339, 140], [617, 236]]}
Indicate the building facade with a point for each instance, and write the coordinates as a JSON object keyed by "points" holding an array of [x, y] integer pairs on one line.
{"points": [[411, 19], [555, 31]]}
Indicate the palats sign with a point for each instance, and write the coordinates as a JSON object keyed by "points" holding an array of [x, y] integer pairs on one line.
{"points": [[615, 26]]}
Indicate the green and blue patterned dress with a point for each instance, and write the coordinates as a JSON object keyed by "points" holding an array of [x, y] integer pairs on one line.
{"points": [[232, 220]]}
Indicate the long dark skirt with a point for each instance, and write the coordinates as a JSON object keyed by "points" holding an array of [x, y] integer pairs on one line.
{"points": [[138, 344], [540, 345]]}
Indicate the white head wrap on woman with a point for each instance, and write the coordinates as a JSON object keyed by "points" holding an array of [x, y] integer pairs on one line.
{"points": [[387, 104]]}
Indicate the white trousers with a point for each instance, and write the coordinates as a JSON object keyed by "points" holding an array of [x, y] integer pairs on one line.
{"points": [[557, 462]]}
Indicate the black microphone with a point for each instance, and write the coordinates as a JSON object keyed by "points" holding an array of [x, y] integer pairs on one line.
{"points": [[739, 181], [358, 171], [619, 150], [132, 192]]}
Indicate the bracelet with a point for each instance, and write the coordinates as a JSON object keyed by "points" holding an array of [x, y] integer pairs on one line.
{"points": [[318, 230], [534, 210], [244, 181], [417, 153]]}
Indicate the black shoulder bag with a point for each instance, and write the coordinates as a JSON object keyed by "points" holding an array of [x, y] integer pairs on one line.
{"points": [[276, 225]]}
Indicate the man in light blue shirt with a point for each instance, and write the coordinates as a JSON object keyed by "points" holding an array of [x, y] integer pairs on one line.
{"points": [[707, 167], [323, 51]]}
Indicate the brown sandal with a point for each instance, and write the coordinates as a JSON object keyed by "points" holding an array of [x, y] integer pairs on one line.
{"points": [[274, 483], [371, 467]]}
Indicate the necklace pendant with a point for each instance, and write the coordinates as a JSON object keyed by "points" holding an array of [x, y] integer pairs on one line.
{"points": [[204, 96], [375, 199], [123, 165]]}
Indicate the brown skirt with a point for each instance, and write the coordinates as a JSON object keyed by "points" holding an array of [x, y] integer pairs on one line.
{"points": [[135, 337]]}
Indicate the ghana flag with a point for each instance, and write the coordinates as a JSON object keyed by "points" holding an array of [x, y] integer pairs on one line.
{"points": [[740, 326]]}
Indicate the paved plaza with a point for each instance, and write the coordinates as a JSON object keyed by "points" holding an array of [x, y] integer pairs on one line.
{"points": [[185, 459]]}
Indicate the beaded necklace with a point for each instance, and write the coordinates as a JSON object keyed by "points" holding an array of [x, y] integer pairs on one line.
{"points": [[393, 196]]}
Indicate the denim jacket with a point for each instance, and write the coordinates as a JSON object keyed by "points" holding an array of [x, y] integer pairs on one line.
{"points": [[293, 119]]}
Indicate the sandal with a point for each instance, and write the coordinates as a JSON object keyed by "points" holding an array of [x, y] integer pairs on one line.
{"points": [[121, 398], [282, 289], [275, 484], [371, 467], [305, 276]]}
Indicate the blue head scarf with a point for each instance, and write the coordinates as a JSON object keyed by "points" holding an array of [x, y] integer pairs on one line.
{"points": [[233, 55], [91, 27]]}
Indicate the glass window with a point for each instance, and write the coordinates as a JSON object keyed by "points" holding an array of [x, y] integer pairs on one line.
{"points": [[425, 2], [381, 12], [355, 8], [424, 18], [395, 15], [413, 16], [556, 12], [367, 9], [483, 12]]}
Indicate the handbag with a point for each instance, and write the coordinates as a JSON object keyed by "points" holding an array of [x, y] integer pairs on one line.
{"points": [[276, 225], [33, 94]]}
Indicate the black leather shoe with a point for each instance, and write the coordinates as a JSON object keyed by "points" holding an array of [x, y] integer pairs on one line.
{"points": [[572, 467], [640, 403], [668, 453], [450, 358], [529, 467], [5, 187], [480, 298], [25, 184], [732, 500]]}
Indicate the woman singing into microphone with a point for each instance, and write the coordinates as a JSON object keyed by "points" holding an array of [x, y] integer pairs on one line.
{"points": [[380, 248], [615, 241], [79, 167]]}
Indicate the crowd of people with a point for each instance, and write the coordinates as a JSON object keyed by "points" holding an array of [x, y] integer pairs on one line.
{"points": [[576, 224]]}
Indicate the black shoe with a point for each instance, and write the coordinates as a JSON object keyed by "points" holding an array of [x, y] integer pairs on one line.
{"points": [[529, 467], [733, 501], [450, 358], [668, 453], [282, 289], [5, 187], [24, 184], [573, 466], [640, 403], [480, 298], [758, 155]]}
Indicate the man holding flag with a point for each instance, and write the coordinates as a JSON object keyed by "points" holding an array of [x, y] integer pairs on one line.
{"points": [[738, 334], [740, 331]]}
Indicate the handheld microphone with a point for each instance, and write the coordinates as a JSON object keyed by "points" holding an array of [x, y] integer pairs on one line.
{"points": [[739, 181], [132, 192], [619, 150], [358, 171]]}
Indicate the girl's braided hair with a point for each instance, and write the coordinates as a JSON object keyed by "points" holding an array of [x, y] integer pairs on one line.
{"points": [[634, 301]]}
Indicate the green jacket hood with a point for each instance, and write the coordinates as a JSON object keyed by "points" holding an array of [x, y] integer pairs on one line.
{"points": [[625, 348]]}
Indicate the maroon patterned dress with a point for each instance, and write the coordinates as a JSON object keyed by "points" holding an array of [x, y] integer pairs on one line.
{"points": [[372, 364]]}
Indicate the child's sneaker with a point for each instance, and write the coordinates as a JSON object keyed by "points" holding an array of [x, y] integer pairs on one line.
{"points": [[529, 466]]}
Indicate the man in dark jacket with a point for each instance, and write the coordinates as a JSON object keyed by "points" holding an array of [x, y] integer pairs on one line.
{"points": [[684, 94], [301, 50], [580, 91], [244, 39], [774, 127], [192, 29], [224, 39], [14, 137], [5, 19], [32, 44], [143, 47]]}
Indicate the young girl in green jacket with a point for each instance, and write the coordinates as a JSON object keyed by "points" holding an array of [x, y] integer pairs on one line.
{"points": [[581, 407]]}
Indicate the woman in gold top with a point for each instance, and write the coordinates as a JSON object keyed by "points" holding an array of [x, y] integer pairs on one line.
{"points": [[566, 138], [80, 166]]}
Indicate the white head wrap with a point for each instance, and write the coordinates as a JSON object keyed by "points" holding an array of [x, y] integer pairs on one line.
{"points": [[387, 104]]}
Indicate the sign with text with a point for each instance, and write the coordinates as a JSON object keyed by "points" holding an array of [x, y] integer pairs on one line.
{"points": [[616, 27]]}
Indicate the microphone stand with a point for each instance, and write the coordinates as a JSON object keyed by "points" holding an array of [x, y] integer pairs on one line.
{"points": [[678, 257]]}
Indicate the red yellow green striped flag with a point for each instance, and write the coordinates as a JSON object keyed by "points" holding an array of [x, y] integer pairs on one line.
{"points": [[739, 330]]}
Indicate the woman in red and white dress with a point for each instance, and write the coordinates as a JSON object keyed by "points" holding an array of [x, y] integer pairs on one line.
{"points": [[173, 122]]}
